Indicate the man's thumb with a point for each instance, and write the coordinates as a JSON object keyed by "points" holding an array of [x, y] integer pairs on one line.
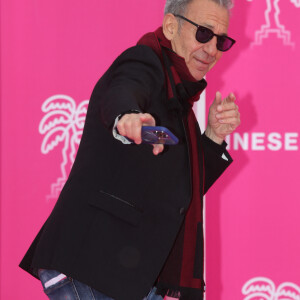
{"points": [[218, 99], [147, 119]]}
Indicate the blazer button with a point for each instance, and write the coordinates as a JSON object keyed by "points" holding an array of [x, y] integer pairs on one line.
{"points": [[182, 211]]}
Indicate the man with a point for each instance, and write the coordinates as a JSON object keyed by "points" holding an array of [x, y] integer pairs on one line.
{"points": [[128, 222]]}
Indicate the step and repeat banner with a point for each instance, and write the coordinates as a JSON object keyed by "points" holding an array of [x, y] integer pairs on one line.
{"points": [[53, 53], [253, 224]]}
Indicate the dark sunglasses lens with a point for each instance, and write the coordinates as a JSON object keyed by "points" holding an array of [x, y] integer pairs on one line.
{"points": [[224, 43], [203, 34]]}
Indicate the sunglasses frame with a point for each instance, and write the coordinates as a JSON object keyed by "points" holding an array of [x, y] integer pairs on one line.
{"points": [[209, 30]]}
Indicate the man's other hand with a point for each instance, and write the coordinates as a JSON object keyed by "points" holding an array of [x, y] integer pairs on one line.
{"points": [[130, 126], [223, 118]]}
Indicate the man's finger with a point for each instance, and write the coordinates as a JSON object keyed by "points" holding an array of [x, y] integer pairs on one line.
{"points": [[218, 98], [136, 131], [158, 148], [128, 129], [230, 106], [232, 121], [229, 99], [218, 101], [147, 119], [227, 114]]}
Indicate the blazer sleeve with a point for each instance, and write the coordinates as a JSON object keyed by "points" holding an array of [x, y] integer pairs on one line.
{"points": [[216, 160], [133, 80]]}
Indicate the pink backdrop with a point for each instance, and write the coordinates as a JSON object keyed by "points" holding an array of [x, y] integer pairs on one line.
{"points": [[59, 49]]}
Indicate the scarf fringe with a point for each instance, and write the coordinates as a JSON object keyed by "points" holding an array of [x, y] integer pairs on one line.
{"points": [[173, 294], [179, 293]]}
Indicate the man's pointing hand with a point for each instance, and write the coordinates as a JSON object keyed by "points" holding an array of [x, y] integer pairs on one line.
{"points": [[130, 126]]}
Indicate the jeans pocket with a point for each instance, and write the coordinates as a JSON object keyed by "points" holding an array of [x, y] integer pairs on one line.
{"points": [[52, 280]]}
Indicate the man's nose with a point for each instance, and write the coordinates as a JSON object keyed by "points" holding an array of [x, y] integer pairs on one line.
{"points": [[211, 47]]}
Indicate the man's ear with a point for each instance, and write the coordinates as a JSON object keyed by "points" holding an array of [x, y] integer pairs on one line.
{"points": [[170, 26]]}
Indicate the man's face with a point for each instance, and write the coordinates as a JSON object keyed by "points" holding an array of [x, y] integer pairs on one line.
{"points": [[200, 58]]}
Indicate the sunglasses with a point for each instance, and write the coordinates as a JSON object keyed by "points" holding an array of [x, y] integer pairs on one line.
{"points": [[204, 35]]}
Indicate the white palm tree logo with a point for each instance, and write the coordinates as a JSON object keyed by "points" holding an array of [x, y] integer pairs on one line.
{"points": [[64, 123], [273, 24], [261, 288]]}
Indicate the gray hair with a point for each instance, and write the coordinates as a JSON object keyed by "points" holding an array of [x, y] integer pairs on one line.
{"points": [[178, 7]]}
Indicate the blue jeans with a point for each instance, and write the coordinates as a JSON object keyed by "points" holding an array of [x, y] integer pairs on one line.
{"points": [[60, 287]]}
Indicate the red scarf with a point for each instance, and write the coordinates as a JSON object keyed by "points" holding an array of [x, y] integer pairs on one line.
{"points": [[182, 274]]}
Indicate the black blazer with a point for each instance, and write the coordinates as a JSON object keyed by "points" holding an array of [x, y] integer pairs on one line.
{"points": [[118, 215]]}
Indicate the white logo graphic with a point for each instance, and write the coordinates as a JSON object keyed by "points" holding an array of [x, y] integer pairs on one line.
{"points": [[273, 24], [261, 288], [64, 123]]}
